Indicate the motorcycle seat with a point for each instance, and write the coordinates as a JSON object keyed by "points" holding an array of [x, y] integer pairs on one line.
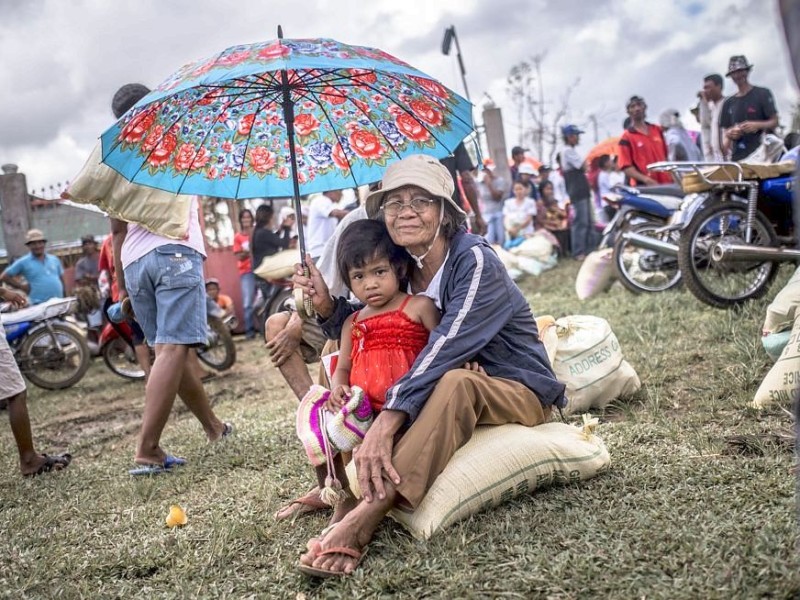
{"points": [[662, 190], [49, 309]]}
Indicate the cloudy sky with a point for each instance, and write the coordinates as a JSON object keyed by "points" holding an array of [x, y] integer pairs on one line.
{"points": [[62, 60]]}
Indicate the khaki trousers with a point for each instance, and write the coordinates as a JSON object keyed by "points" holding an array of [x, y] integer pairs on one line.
{"points": [[460, 401]]}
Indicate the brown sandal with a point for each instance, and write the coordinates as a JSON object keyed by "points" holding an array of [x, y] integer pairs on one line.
{"points": [[57, 462], [317, 572], [310, 503]]}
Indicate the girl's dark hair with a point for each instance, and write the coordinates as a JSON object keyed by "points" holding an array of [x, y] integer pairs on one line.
{"points": [[364, 241], [263, 216], [604, 160], [544, 185], [242, 213]]}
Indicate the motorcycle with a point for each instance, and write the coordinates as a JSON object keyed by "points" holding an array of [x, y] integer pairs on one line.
{"points": [[278, 291], [219, 351], [643, 233], [51, 353], [733, 244]]}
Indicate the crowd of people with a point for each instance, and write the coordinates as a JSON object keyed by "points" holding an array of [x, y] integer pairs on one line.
{"points": [[422, 312]]}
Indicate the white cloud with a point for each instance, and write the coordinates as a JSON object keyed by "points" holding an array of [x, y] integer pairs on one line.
{"points": [[62, 61]]}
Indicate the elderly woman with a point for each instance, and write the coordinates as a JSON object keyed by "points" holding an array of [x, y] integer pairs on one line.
{"points": [[483, 365]]}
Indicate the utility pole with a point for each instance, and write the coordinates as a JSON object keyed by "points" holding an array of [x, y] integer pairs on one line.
{"points": [[449, 37]]}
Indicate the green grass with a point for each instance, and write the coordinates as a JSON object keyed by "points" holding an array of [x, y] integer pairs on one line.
{"points": [[678, 515]]}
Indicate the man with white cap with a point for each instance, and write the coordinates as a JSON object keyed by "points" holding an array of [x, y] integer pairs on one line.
{"points": [[43, 272], [747, 114]]}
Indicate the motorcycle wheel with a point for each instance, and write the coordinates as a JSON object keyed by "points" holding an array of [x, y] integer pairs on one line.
{"points": [[50, 366], [643, 270], [121, 359], [220, 351], [723, 285], [278, 300]]}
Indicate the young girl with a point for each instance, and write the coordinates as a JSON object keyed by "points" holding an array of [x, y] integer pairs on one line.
{"points": [[518, 214], [552, 217], [380, 342]]}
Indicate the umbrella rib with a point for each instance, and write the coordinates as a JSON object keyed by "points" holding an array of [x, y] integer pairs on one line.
{"points": [[208, 133], [333, 129], [244, 155], [409, 112], [428, 95]]}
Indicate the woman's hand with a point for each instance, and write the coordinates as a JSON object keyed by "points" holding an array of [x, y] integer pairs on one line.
{"points": [[338, 398], [373, 457], [474, 366], [314, 287], [749, 127], [734, 133]]}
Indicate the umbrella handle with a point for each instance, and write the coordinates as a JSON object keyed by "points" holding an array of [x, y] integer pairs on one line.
{"points": [[303, 303]]}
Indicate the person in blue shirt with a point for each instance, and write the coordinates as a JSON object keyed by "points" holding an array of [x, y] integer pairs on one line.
{"points": [[43, 272]]}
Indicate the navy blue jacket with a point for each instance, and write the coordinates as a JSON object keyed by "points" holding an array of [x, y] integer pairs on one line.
{"points": [[485, 318]]}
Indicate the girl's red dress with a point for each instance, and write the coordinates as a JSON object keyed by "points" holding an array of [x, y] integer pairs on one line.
{"points": [[383, 349]]}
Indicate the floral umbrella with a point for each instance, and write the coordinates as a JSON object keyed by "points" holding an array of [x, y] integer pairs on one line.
{"points": [[284, 118]]}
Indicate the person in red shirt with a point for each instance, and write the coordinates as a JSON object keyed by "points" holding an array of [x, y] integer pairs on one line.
{"points": [[641, 144], [241, 248]]}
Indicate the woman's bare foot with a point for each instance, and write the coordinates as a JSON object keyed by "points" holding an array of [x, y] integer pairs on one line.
{"points": [[343, 508], [309, 503], [353, 532]]}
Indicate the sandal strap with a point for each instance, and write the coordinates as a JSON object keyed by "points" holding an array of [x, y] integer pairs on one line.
{"points": [[351, 552]]}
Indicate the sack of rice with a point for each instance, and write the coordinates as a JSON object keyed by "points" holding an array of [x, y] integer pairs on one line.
{"points": [[537, 246], [782, 383], [781, 313], [590, 363], [500, 463], [277, 266], [596, 273]]}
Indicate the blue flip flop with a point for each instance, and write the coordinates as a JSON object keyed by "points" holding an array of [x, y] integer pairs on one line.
{"points": [[156, 469]]}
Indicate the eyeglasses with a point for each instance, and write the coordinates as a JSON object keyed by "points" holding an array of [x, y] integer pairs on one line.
{"points": [[418, 204]]}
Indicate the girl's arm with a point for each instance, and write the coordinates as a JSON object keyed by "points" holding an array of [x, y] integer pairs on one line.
{"points": [[340, 382]]}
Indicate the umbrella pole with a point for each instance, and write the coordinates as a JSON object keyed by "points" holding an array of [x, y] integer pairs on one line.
{"points": [[305, 307]]}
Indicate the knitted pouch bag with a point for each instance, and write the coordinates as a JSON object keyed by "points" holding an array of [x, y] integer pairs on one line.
{"points": [[324, 434], [346, 429]]}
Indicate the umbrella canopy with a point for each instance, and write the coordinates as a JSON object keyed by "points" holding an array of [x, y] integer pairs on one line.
{"points": [[283, 118], [528, 160], [608, 146]]}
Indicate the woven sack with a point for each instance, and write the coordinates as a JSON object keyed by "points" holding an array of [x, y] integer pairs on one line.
{"points": [[278, 266], [546, 324], [156, 210], [596, 273], [782, 312], [500, 463], [589, 361], [782, 383], [537, 246]]}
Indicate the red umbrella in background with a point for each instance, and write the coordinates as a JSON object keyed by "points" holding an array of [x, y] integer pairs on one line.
{"points": [[608, 146], [531, 161]]}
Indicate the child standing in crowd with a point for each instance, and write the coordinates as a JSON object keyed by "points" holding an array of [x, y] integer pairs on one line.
{"points": [[380, 342]]}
